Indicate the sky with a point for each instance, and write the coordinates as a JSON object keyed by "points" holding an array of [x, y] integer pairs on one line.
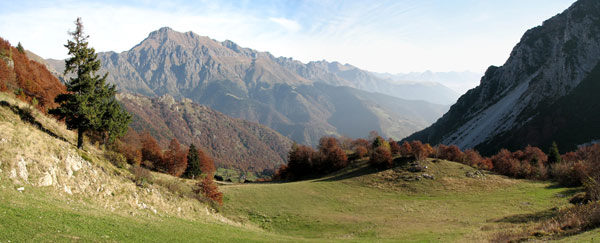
{"points": [[397, 36]]}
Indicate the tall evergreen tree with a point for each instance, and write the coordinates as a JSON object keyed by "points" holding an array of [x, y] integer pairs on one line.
{"points": [[193, 163], [89, 105], [20, 48], [554, 154]]}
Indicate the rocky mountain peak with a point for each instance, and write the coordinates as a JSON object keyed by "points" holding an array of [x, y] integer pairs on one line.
{"points": [[548, 63]]}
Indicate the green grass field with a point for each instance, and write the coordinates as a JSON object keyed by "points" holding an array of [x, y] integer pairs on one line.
{"points": [[375, 206], [358, 204]]}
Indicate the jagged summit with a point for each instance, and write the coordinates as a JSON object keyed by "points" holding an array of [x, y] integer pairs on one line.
{"points": [[301, 101]]}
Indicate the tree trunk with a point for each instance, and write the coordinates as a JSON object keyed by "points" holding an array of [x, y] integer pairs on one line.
{"points": [[79, 138]]}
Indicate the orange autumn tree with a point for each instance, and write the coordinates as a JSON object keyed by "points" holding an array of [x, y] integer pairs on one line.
{"points": [[207, 187], [151, 151], [174, 159]]}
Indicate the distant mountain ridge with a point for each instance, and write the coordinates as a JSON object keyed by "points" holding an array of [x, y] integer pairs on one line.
{"points": [[519, 103], [459, 82], [298, 100]]}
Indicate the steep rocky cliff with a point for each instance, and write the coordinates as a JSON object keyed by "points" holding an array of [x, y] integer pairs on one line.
{"points": [[548, 63]]}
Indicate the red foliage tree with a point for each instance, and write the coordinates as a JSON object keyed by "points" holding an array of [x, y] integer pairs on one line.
{"points": [[175, 159], [505, 164], [419, 150], [129, 145], [151, 151], [428, 150], [532, 155], [451, 153], [30, 78], [473, 158], [300, 162], [360, 142], [394, 146], [331, 156], [381, 157], [207, 187], [207, 165], [360, 152], [406, 149], [281, 173]]}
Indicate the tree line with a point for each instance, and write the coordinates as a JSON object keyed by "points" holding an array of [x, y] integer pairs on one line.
{"points": [[577, 168]]}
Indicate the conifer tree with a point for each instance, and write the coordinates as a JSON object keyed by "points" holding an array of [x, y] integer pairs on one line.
{"points": [[554, 154], [89, 105], [20, 48], [193, 163]]}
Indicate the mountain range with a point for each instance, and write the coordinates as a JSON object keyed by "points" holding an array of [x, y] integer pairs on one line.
{"points": [[459, 82], [546, 91], [301, 101]]}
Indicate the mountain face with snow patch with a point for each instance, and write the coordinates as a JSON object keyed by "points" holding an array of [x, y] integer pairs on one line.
{"points": [[549, 63]]}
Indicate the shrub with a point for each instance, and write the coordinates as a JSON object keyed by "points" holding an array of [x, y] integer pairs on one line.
{"points": [[360, 152], [406, 149], [504, 163], [360, 142], [129, 146], [565, 174], [300, 162], [175, 159], [281, 173], [473, 158], [207, 187], [141, 176], [394, 146], [207, 165], [151, 151], [330, 156], [419, 150], [116, 159], [381, 157]]}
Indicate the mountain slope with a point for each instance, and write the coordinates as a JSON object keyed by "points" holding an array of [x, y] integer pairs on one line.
{"points": [[27, 77], [548, 63], [231, 142], [336, 74], [50, 191], [278, 92]]}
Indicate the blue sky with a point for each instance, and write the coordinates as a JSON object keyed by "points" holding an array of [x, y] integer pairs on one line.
{"points": [[382, 36]]}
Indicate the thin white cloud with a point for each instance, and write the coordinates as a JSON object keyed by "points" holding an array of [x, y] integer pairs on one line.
{"points": [[288, 24]]}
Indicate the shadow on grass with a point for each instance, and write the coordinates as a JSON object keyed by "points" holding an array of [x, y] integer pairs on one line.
{"points": [[26, 116], [364, 169], [529, 217]]}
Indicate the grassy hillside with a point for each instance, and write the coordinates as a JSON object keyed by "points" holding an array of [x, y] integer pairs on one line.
{"points": [[366, 205], [51, 192]]}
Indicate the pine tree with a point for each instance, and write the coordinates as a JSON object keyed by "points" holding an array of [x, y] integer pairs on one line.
{"points": [[20, 48], [114, 121], [554, 154], [89, 105], [193, 163]]}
